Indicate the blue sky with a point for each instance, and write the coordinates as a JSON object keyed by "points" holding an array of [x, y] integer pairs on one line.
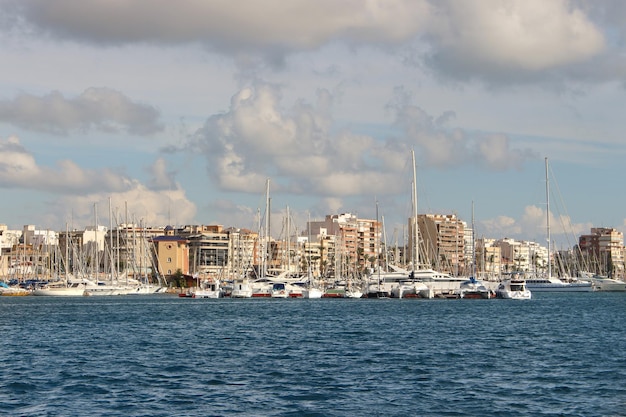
{"points": [[177, 114]]}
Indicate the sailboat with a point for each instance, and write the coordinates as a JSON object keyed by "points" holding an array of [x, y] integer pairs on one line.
{"points": [[426, 281], [474, 288], [311, 290], [550, 283], [65, 287]]}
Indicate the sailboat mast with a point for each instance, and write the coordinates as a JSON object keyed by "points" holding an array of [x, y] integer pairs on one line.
{"points": [[266, 238], [288, 244], [96, 254], [415, 249], [548, 220], [473, 244]]}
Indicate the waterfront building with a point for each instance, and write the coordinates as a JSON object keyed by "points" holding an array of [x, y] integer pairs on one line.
{"points": [[209, 247], [172, 253], [488, 259], [243, 245], [603, 251], [8, 240], [130, 250], [523, 256], [358, 240], [442, 242]]}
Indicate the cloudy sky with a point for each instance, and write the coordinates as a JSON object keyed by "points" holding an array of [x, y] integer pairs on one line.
{"points": [[178, 112]]}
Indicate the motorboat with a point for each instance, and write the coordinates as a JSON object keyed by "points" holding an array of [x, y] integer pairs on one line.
{"points": [[7, 290], [514, 289], [473, 288], [601, 283], [241, 289], [279, 290], [209, 289], [553, 284]]}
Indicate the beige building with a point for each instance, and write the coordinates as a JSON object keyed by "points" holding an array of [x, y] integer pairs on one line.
{"points": [[442, 242], [172, 253], [345, 239]]}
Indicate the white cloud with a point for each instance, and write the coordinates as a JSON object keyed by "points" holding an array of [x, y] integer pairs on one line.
{"points": [[75, 190], [505, 39], [161, 177], [227, 26], [145, 206], [439, 144], [99, 109], [498, 41]]}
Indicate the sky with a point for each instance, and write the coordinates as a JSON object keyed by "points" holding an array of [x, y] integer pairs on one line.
{"points": [[173, 113]]}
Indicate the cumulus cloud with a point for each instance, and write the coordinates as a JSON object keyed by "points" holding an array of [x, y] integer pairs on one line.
{"points": [[532, 226], [76, 189], [100, 109], [161, 177], [494, 40], [231, 27], [257, 138], [439, 144], [18, 168], [145, 206], [510, 39]]}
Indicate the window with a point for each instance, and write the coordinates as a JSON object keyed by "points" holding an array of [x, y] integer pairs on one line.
{"points": [[169, 260]]}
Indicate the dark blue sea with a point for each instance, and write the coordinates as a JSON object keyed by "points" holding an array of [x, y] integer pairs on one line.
{"points": [[555, 355]]}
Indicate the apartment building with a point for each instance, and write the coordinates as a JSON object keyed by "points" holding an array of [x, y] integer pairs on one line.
{"points": [[357, 242], [442, 242], [602, 251]]}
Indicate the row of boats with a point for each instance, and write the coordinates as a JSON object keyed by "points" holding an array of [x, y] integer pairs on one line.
{"points": [[79, 288], [397, 283], [400, 283]]}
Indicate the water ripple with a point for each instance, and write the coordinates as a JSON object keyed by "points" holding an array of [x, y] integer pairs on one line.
{"points": [[162, 356]]}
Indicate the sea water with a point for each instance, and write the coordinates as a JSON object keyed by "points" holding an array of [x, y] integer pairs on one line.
{"points": [[556, 355]]}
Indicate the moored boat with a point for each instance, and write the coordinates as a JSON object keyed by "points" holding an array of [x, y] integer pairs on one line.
{"points": [[475, 289], [601, 283], [553, 284], [62, 289], [513, 289]]}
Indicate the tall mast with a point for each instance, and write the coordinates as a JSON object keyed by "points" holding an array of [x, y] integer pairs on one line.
{"points": [[288, 244], [415, 244], [473, 244], [111, 261], [96, 255], [266, 238], [548, 220]]}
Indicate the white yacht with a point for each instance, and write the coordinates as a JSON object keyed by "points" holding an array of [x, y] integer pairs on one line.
{"points": [[279, 290], [601, 283], [62, 289], [473, 288], [241, 288], [553, 284], [514, 289], [209, 289]]}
